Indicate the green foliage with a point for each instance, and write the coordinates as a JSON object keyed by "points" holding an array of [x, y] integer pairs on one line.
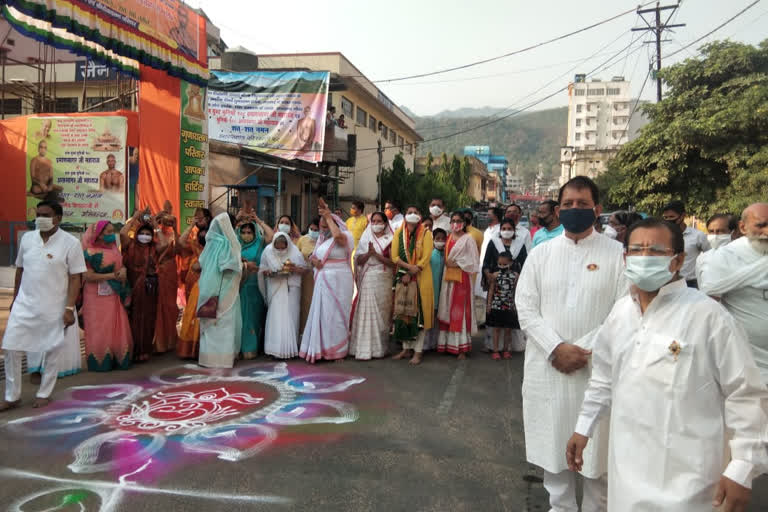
{"points": [[408, 188], [527, 140], [707, 142]]}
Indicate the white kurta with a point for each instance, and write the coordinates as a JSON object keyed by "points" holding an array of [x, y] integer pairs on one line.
{"points": [[738, 274], [565, 292], [525, 235], [443, 222], [669, 414], [36, 322]]}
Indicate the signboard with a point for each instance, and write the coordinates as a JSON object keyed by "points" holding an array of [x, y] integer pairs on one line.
{"points": [[168, 21], [194, 153], [280, 113], [89, 71], [79, 162]]}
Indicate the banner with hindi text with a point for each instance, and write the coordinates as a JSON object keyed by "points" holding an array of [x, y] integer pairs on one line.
{"points": [[279, 113], [193, 159], [79, 162]]}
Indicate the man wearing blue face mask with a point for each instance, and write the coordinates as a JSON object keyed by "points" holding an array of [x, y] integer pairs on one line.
{"points": [[677, 374], [566, 290]]}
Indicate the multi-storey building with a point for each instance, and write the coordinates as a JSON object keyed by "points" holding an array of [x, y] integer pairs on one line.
{"points": [[497, 165]]}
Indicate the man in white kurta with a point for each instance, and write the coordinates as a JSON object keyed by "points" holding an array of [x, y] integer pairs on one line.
{"points": [[676, 373], [48, 269], [566, 290], [737, 274]]}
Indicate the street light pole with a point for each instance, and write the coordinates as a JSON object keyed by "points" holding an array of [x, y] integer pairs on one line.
{"points": [[380, 151]]}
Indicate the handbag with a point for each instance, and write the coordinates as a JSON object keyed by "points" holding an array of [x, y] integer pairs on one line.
{"points": [[208, 310], [406, 300]]}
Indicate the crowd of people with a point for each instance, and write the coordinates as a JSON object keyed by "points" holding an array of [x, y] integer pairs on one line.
{"points": [[609, 318]]}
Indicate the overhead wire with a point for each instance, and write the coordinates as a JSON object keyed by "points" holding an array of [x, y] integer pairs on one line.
{"points": [[515, 52], [726, 22]]}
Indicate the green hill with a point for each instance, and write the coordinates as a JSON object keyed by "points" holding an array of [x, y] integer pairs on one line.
{"points": [[527, 140]]}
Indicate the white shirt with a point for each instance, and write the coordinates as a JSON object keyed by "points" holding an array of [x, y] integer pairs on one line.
{"points": [[443, 222], [565, 292], [695, 243], [669, 414], [36, 321], [525, 235], [738, 274], [396, 222]]}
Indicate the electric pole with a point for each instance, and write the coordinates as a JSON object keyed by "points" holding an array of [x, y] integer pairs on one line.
{"points": [[380, 152], [657, 28]]}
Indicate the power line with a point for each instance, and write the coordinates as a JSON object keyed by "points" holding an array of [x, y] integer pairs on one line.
{"points": [[515, 52], [657, 28], [637, 101], [726, 22]]}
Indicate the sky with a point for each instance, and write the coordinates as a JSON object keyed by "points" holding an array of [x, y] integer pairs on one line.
{"points": [[395, 38]]}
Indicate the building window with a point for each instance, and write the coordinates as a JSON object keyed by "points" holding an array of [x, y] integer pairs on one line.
{"points": [[589, 108], [400, 142], [595, 92], [372, 123], [362, 117], [384, 132], [578, 136], [579, 108], [110, 105], [393, 137], [409, 149], [578, 122], [613, 91], [65, 105], [579, 92], [347, 107], [11, 107]]}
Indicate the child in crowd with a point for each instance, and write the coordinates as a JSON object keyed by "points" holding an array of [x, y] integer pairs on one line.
{"points": [[502, 313], [437, 262]]}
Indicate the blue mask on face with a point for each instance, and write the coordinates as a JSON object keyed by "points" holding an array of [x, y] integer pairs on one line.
{"points": [[577, 220], [314, 234], [110, 239], [649, 273]]}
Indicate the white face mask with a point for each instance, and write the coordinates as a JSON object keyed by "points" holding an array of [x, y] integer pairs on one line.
{"points": [[439, 245], [281, 252], [610, 232], [313, 234], [284, 228], [506, 235], [377, 228], [144, 238], [719, 240], [412, 218], [435, 210], [44, 224]]}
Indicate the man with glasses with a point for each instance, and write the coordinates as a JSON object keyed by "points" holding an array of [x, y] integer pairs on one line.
{"points": [[566, 290], [737, 274], [676, 373], [695, 241]]}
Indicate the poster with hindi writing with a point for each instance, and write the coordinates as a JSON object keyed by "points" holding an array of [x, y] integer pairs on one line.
{"points": [[79, 162], [280, 113], [193, 160]]}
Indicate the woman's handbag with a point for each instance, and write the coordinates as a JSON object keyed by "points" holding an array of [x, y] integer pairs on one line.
{"points": [[406, 300], [208, 310]]}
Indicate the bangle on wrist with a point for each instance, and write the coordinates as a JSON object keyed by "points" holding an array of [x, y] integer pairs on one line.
{"points": [[70, 308]]}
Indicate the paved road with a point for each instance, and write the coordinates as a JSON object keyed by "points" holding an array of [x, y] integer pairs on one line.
{"points": [[338, 436]]}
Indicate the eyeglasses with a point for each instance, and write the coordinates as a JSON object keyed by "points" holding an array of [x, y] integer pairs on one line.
{"points": [[651, 250]]}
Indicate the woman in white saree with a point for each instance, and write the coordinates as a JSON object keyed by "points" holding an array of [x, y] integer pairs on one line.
{"points": [[326, 335], [372, 311], [456, 312], [280, 281]]}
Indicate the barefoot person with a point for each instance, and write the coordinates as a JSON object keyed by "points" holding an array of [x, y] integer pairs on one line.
{"points": [[411, 253], [566, 290], [305, 130], [48, 271], [687, 407]]}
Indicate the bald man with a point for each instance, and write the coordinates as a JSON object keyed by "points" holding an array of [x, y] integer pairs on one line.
{"points": [[737, 274]]}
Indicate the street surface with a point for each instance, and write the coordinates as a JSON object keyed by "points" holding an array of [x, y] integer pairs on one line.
{"points": [[354, 435]]}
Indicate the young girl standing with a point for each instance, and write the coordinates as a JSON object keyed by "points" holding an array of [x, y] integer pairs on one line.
{"points": [[502, 313]]}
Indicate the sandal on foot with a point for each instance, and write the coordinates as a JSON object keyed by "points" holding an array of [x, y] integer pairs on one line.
{"points": [[7, 406], [495, 356], [506, 355], [41, 402]]}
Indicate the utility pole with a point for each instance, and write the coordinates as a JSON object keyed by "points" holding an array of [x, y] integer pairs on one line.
{"points": [[657, 28], [380, 151]]}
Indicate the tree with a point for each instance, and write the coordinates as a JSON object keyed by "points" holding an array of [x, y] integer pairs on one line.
{"points": [[707, 141]]}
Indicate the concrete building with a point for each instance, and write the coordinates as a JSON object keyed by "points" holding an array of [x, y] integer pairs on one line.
{"points": [[600, 121], [370, 115], [483, 185], [514, 184], [497, 164]]}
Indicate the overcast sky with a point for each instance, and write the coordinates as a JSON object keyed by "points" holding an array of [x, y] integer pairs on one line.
{"points": [[394, 38]]}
